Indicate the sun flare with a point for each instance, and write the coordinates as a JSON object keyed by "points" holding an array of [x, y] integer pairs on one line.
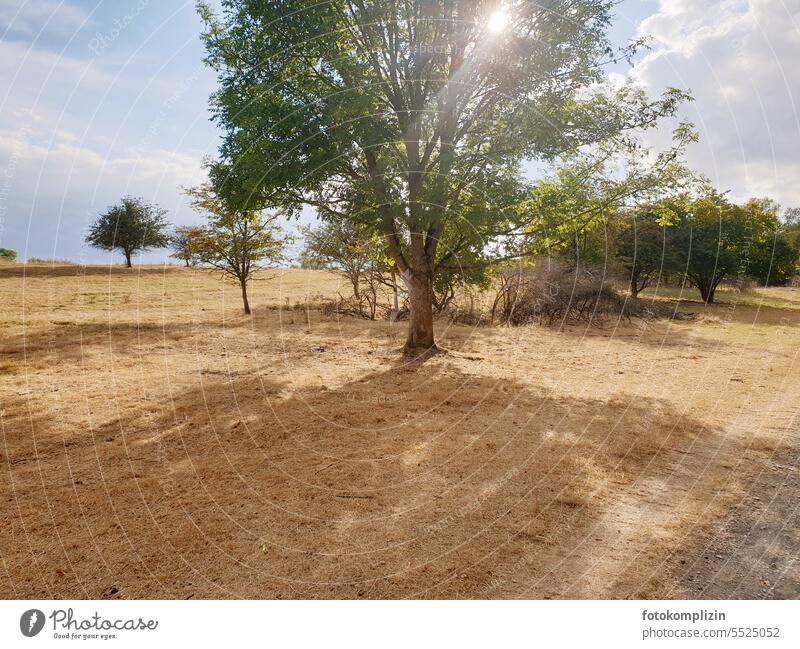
{"points": [[498, 21]]}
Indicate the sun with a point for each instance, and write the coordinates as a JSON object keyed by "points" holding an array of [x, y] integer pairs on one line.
{"points": [[498, 21]]}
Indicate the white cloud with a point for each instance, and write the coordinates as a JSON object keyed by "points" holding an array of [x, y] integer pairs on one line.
{"points": [[740, 61], [39, 83], [55, 185], [32, 17]]}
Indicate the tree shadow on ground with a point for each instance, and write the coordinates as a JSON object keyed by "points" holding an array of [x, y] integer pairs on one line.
{"points": [[68, 341], [421, 480]]}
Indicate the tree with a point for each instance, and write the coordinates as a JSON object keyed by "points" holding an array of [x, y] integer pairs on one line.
{"points": [[583, 211], [791, 226], [774, 263], [8, 255], [646, 246], [773, 259], [355, 253], [347, 248], [184, 241], [716, 240], [133, 225], [236, 243], [411, 112]]}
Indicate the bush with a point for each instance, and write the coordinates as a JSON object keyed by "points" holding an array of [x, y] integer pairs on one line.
{"points": [[51, 262], [8, 255], [552, 292]]}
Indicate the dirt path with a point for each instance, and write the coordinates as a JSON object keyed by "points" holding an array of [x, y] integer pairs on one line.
{"points": [[754, 552]]}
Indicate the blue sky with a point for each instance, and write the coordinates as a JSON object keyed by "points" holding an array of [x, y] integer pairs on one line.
{"points": [[103, 99], [98, 100]]}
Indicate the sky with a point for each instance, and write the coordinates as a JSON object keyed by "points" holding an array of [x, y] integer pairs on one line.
{"points": [[103, 99]]}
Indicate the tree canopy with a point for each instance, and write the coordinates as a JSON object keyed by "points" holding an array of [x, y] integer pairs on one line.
{"points": [[185, 241], [237, 243], [133, 225], [413, 117]]}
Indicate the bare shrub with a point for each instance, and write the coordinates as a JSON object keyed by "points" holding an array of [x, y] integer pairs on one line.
{"points": [[365, 307], [551, 292]]}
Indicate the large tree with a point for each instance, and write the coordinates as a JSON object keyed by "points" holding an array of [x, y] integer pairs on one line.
{"points": [[133, 225], [408, 114]]}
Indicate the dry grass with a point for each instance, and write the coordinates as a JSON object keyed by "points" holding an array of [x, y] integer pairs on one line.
{"points": [[156, 443]]}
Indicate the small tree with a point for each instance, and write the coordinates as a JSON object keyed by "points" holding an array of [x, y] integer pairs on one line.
{"points": [[133, 225], [236, 243], [345, 247], [8, 255], [645, 247], [355, 253], [184, 241]]}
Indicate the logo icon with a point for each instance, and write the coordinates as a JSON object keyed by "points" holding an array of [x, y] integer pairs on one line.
{"points": [[31, 622]]}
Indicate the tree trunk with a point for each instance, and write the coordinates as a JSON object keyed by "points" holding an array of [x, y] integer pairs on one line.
{"points": [[187, 262], [128, 258], [707, 292], [244, 297], [634, 286], [420, 329], [395, 297]]}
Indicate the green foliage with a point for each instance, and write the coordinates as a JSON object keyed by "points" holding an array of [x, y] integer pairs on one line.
{"points": [[52, 262], [575, 213], [716, 240], [8, 255], [791, 227], [412, 124], [237, 243], [185, 241], [773, 260], [646, 248], [775, 264], [132, 225]]}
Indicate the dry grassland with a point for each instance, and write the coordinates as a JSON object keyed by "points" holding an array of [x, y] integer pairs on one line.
{"points": [[158, 444]]}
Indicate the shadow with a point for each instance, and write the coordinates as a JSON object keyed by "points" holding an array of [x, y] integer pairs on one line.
{"points": [[68, 339], [421, 480]]}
